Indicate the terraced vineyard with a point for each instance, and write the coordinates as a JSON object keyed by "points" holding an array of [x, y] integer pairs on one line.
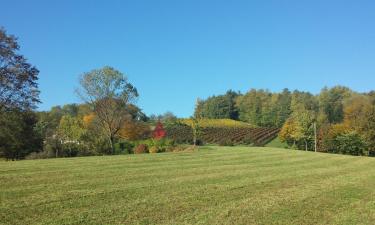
{"points": [[258, 136]]}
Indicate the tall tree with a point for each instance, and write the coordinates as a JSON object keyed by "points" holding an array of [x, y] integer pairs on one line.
{"points": [[109, 94], [18, 78], [331, 102], [257, 107], [18, 136], [283, 107], [298, 129], [19, 95]]}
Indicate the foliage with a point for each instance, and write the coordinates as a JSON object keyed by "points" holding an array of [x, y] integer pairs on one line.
{"points": [[109, 94], [263, 108], [153, 149], [253, 105], [350, 143], [124, 147], [368, 129], [298, 129], [18, 134], [344, 140], [197, 131], [19, 95], [287, 132], [217, 107], [133, 130], [331, 102], [71, 132], [140, 149], [166, 118], [18, 78], [159, 131]]}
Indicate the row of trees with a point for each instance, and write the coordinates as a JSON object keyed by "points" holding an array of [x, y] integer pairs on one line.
{"points": [[76, 130], [338, 119]]}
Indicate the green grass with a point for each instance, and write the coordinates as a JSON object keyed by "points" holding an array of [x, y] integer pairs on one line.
{"points": [[276, 143], [216, 185]]}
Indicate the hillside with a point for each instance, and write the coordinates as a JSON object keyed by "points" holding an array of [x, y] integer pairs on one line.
{"points": [[215, 185], [224, 132]]}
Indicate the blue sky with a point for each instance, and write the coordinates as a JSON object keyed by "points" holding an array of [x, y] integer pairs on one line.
{"points": [[176, 51]]}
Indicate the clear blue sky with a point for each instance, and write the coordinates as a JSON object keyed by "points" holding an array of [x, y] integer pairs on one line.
{"points": [[176, 51]]}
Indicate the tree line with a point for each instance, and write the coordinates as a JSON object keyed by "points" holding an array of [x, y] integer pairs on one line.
{"points": [[344, 119], [108, 113]]}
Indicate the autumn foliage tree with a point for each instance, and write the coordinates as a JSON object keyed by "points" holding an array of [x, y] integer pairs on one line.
{"points": [[134, 130], [109, 94], [298, 129]]}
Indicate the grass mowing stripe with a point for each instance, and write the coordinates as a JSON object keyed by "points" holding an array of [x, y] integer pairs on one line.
{"points": [[216, 185]]}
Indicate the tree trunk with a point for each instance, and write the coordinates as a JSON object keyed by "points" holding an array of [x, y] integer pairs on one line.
{"points": [[112, 140], [316, 138], [305, 145]]}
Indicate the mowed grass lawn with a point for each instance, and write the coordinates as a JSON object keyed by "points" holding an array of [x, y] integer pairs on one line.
{"points": [[215, 185]]}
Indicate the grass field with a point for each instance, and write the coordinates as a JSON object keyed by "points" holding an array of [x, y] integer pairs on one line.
{"points": [[215, 185]]}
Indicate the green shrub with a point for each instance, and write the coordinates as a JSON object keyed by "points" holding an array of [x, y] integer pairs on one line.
{"points": [[350, 143], [141, 149], [124, 147], [343, 140]]}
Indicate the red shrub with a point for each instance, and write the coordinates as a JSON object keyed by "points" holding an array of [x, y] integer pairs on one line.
{"points": [[159, 131]]}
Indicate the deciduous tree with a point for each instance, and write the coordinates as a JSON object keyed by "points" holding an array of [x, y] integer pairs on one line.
{"points": [[18, 78], [109, 94]]}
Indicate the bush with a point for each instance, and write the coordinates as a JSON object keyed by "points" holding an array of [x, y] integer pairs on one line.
{"points": [[350, 143], [343, 140], [141, 149], [154, 149], [124, 147]]}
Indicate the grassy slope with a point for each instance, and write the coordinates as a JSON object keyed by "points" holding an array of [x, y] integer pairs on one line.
{"points": [[276, 143], [217, 185]]}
